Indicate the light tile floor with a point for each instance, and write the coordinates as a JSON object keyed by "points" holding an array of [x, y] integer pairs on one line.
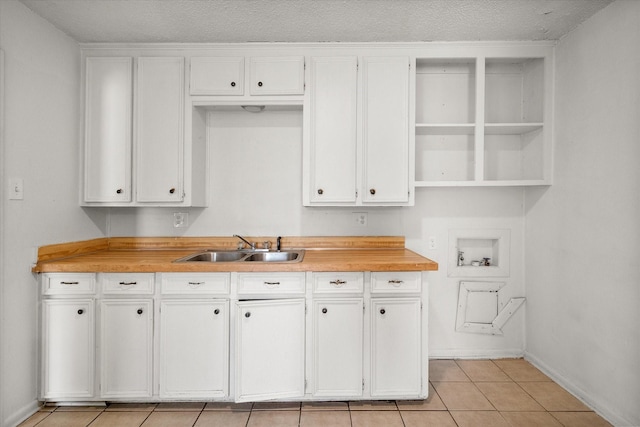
{"points": [[462, 393]]}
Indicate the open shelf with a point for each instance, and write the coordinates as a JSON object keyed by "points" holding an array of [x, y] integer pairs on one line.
{"points": [[445, 157], [510, 128], [445, 129], [449, 85], [482, 121]]}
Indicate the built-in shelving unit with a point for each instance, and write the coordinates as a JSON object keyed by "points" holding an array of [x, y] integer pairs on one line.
{"points": [[483, 121]]}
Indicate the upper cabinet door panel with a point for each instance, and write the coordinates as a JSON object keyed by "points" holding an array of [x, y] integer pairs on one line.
{"points": [[277, 75], [217, 76], [160, 129], [108, 91], [385, 127], [333, 132]]}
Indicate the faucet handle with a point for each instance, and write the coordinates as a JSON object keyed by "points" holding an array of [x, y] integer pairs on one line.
{"points": [[266, 245]]}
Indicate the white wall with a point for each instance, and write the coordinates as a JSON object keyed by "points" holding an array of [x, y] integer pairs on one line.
{"points": [[41, 147], [256, 170], [583, 233]]}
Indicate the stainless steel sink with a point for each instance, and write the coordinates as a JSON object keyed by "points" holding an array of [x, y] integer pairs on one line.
{"points": [[275, 256], [214, 256], [241, 256]]}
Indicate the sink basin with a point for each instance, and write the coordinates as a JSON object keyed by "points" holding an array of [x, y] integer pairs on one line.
{"points": [[233, 256], [214, 256], [275, 256]]}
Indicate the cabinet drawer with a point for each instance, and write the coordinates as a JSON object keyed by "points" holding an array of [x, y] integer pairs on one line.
{"points": [[396, 282], [270, 283], [338, 282], [195, 283], [127, 283], [68, 284]]}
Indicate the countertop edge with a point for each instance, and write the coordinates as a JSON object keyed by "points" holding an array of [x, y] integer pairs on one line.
{"points": [[162, 261]]}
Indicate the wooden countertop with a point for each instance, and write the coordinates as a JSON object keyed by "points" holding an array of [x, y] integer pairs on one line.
{"points": [[112, 255]]}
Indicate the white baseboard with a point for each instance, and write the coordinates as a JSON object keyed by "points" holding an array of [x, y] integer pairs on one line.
{"points": [[22, 414], [475, 354], [606, 413]]}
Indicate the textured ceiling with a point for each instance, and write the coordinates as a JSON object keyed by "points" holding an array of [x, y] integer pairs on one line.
{"points": [[229, 21]]}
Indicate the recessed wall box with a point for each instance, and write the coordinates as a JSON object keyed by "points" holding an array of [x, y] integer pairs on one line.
{"points": [[476, 246]]}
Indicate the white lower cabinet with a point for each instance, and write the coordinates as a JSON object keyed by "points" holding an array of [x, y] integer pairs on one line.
{"points": [[241, 337], [270, 349], [396, 347], [194, 343], [337, 347], [68, 349], [126, 348]]}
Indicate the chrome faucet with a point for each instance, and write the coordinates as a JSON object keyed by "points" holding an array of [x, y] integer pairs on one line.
{"points": [[266, 245], [251, 245]]}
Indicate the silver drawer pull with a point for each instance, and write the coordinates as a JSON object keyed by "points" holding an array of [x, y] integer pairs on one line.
{"points": [[396, 283], [128, 283], [69, 283], [337, 282], [196, 283], [272, 283]]}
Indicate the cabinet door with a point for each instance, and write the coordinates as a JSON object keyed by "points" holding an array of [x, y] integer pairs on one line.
{"points": [[108, 100], [331, 148], [270, 349], [395, 347], [160, 130], [277, 75], [337, 347], [385, 129], [217, 76], [194, 348], [126, 328], [67, 349]]}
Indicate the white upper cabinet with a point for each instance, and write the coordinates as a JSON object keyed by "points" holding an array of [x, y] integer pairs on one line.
{"points": [[357, 154], [277, 75], [227, 76], [108, 121], [160, 129], [330, 160], [385, 130], [217, 76], [134, 157]]}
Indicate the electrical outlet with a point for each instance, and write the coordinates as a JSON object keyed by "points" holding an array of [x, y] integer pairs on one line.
{"points": [[180, 219], [360, 218], [433, 243]]}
